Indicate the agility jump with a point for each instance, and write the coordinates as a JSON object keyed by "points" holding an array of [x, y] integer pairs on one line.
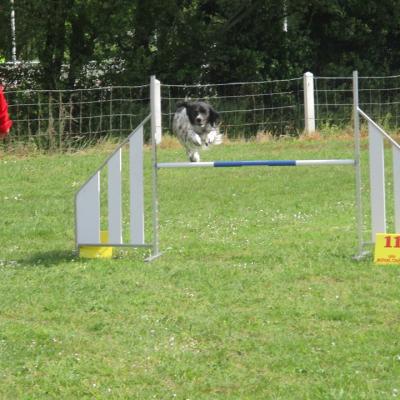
{"points": [[87, 199]]}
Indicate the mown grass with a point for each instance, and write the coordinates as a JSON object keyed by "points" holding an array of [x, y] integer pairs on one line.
{"points": [[256, 296]]}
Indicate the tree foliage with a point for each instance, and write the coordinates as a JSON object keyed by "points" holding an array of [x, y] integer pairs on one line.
{"points": [[202, 40]]}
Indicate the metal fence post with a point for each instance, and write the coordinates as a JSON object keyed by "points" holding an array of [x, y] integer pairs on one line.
{"points": [[155, 107], [309, 111]]}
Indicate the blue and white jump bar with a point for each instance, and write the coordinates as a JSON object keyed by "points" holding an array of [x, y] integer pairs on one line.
{"points": [[255, 163]]}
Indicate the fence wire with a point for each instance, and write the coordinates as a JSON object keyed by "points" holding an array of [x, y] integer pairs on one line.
{"points": [[64, 119], [333, 99], [246, 108], [380, 98], [75, 118]]}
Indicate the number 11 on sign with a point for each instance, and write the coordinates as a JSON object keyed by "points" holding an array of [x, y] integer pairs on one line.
{"points": [[387, 248], [392, 241]]}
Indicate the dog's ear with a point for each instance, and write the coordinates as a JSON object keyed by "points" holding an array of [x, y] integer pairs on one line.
{"points": [[214, 117], [181, 104]]}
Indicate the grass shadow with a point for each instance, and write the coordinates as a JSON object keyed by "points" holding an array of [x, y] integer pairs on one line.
{"points": [[48, 258]]}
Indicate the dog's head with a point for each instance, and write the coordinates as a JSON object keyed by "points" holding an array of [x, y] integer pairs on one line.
{"points": [[200, 113]]}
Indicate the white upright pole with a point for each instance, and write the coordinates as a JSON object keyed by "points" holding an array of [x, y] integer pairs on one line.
{"points": [[357, 164], [285, 19], [136, 187], [88, 212], [377, 181], [396, 188], [13, 35], [309, 110], [115, 198], [155, 107]]}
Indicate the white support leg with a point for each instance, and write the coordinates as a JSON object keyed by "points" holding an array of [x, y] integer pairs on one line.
{"points": [[88, 212], [377, 181], [115, 198], [136, 187], [396, 188]]}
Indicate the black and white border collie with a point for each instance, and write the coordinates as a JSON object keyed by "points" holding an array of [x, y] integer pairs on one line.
{"points": [[196, 126]]}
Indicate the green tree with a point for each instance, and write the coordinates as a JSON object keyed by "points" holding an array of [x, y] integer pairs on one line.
{"points": [[203, 40], [353, 34]]}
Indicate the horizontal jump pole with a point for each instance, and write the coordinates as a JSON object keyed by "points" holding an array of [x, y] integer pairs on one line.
{"points": [[115, 245], [256, 163]]}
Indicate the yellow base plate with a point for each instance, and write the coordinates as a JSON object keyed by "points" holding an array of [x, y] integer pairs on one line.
{"points": [[97, 252]]}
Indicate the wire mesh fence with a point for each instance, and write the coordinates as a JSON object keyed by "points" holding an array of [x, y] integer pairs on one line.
{"points": [[64, 119], [246, 108], [75, 118], [380, 98], [333, 101]]}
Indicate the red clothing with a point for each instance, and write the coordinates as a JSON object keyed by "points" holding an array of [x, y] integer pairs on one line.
{"points": [[5, 121]]}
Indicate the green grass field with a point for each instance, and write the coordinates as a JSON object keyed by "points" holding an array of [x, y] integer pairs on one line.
{"points": [[256, 296]]}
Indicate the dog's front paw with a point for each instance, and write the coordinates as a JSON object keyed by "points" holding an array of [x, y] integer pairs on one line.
{"points": [[214, 137], [194, 156], [194, 138]]}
